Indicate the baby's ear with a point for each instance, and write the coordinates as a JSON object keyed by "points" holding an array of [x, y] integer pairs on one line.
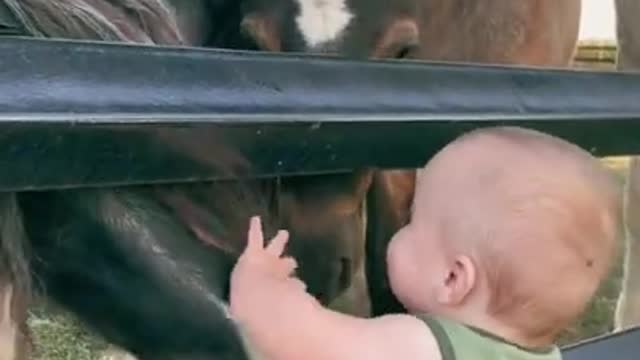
{"points": [[460, 279]]}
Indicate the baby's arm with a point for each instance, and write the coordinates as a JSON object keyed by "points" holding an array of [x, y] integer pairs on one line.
{"points": [[286, 323], [327, 335]]}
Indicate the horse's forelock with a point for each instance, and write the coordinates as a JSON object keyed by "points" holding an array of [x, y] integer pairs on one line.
{"points": [[137, 21]]}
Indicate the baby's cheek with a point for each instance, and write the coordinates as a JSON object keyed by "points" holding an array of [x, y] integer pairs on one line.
{"points": [[397, 247], [400, 276], [392, 254], [396, 258]]}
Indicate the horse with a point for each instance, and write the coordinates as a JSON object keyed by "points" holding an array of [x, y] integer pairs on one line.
{"points": [[627, 311], [155, 248], [129, 223], [532, 32], [136, 298]]}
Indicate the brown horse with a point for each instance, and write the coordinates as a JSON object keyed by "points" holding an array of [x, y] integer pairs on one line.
{"points": [[533, 32], [628, 307], [525, 32]]}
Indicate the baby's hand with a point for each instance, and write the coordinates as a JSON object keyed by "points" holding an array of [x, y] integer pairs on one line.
{"points": [[261, 273]]}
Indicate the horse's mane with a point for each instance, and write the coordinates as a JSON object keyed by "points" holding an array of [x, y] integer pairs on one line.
{"points": [[137, 21], [132, 21]]}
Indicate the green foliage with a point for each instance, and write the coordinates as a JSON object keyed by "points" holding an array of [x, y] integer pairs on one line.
{"points": [[58, 336]]}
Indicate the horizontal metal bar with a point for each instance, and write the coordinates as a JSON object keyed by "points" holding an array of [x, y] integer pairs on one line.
{"points": [[94, 114], [624, 345]]}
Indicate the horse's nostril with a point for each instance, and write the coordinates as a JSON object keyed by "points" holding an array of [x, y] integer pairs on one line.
{"points": [[345, 273], [399, 40], [403, 52]]}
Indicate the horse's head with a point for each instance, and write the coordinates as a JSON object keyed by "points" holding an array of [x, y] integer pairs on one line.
{"points": [[351, 28], [532, 32], [325, 216]]}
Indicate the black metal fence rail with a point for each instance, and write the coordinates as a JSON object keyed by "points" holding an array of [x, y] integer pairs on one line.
{"points": [[623, 345], [94, 114]]}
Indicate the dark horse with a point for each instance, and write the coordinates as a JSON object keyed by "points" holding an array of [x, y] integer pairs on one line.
{"points": [[148, 266]]}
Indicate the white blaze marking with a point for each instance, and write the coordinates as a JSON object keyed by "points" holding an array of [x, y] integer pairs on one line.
{"points": [[321, 21]]}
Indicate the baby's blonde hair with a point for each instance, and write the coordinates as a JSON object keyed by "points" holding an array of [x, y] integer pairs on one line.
{"points": [[539, 215]]}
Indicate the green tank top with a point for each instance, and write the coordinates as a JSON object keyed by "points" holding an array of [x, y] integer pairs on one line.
{"points": [[461, 342]]}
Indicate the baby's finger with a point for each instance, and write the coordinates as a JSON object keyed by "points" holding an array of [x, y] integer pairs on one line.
{"points": [[277, 244], [288, 266], [298, 284], [256, 238]]}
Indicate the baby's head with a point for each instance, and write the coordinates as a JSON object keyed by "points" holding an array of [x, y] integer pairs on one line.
{"points": [[512, 230]]}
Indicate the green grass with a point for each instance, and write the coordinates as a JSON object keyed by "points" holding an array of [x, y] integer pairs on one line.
{"points": [[58, 337]]}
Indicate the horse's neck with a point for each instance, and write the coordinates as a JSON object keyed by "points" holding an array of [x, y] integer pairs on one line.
{"points": [[492, 25], [138, 21], [532, 31]]}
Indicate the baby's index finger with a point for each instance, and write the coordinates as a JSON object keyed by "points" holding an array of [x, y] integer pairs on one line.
{"points": [[256, 238], [277, 244]]}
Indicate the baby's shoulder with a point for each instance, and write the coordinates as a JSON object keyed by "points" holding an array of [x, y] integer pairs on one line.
{"points": [[405, 336]]}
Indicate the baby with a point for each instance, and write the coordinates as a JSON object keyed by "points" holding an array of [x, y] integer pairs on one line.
{"points": [[511, 233]]}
